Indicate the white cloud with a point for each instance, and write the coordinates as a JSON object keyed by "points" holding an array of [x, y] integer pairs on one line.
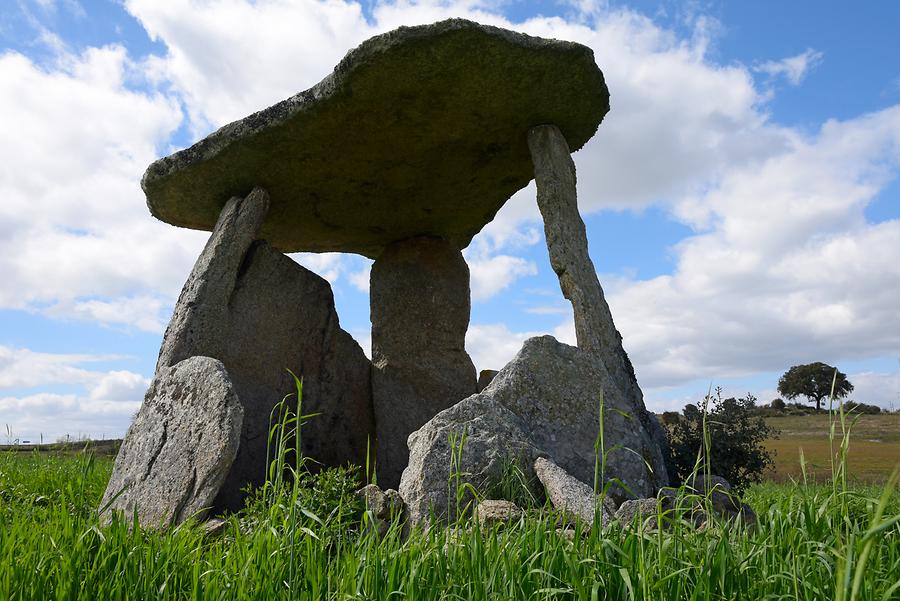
{"points": [[103, 406], [73, 225], [876, 388], [360, 279], [787, 271], [489, 276], [793, 68], [24, 368], [491, 346]]}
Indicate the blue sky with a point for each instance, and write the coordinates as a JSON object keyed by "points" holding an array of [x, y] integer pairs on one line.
{"points": [[741, 198]]}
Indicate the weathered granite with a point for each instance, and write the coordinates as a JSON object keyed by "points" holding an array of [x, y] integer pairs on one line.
{"points": [[261, 313], [491, 512], [544, 403], [493, 435], [419, 294], [417, 131], [485, 377], [180, 447], [572, 497], [567, 245]]}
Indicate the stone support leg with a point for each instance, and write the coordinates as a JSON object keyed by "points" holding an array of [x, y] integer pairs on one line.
{"points": [[567, 244], [260, 314], [420, 313]]}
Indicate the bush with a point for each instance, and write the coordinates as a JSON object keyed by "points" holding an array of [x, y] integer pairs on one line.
{"points": [[735, 434], [777, 404], [855, 407]]}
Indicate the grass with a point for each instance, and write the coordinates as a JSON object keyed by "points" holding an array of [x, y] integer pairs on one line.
{"points": [[873, 456], [306, 537], [51, 547]]}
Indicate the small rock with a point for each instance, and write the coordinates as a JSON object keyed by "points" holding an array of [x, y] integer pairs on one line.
{"points": [[490, 512], [215, 527], [566, 533], [382, 504], [643, 512]]}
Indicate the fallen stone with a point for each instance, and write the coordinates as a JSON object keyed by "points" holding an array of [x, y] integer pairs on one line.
{"points": [[485, 377], [572, 497], [260, 314], [180, 447], [420, 305], [544, 403], [643, 513], [491, 512], [215, 527], [418, 131]]}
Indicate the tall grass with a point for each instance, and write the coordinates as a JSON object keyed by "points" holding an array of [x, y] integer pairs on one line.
{"points": [[301, 538]]}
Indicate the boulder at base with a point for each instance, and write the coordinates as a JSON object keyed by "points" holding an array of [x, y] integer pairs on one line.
{"points": [[180, 447], [545, 402]]}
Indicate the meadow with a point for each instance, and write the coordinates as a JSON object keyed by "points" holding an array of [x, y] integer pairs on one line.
{"points": [[813, 542], [873, 456]]}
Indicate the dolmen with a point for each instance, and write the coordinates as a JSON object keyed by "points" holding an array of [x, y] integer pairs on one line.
{"points": [[402, 154]]}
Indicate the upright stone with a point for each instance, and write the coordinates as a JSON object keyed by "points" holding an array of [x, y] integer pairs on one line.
{"points": [[420, 312], [567, 244], [180, 447], [260, 313]]}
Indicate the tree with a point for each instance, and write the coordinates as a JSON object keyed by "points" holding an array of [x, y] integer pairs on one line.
{"points": [[736, 449], [814, 381]]}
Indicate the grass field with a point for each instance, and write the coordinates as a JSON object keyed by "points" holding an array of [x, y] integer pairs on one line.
{"points": [[813, 543], [874, 453]]}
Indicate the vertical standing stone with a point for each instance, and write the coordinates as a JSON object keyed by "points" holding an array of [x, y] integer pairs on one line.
{"points": [[420, 313], [567, 244], [260, 314]]}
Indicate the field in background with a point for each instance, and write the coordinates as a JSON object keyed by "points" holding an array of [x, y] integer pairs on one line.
{"points": [[874, 447]]}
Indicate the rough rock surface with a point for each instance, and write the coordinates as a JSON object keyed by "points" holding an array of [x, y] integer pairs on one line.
{"points": [[485, 377], [382, 503], [494, 436], [544, 403], [725, 503], [260, 313], [646, 511], [417, 131], [420, 305], [494, 511], [575, 499], [180, 448], [568, 248]]}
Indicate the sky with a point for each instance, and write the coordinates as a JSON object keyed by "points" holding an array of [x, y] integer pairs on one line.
{"points": [[741, 198]]}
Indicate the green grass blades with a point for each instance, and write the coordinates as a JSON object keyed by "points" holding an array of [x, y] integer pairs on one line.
{"points": [[811, 543]]}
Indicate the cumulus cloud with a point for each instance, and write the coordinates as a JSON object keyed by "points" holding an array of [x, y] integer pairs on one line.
{"points": [[74, 229], [786, 269], [102, 405], [24, 368], [792, 68]]}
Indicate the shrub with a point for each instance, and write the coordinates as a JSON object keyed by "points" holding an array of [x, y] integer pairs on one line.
{"points": [[736, 435], [777, 404]]}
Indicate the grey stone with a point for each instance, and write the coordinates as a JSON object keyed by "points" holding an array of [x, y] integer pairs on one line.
{"points": [[419, 296], [215, 527], [642, 512], [485, 377], [260, 313], [572, 497], [495, 511], [494, 436], [180, 448], [545, 402], [417, 131], [718, 490], [567, 244], [384, 505]]}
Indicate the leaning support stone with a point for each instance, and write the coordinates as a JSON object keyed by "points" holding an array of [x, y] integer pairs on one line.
{"points": [[260, 314], [420, 312], [567, 244]]}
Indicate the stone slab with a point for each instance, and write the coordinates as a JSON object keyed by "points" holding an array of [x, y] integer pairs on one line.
{"points": [[419, 131]]}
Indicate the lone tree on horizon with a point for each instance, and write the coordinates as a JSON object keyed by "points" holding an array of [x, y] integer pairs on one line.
{"points": [[814, 381]]}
